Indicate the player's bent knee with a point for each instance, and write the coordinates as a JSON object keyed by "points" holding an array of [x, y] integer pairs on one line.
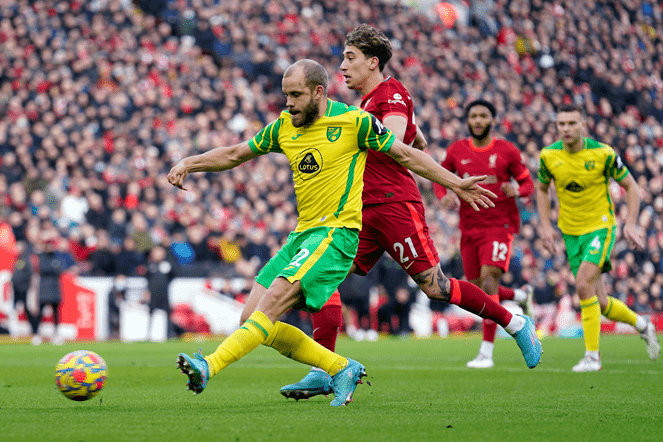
{"points": [[437, 288]]}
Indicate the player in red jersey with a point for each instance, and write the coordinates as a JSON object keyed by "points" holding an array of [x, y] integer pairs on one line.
{"points": [[393, 218], [486, 236]]}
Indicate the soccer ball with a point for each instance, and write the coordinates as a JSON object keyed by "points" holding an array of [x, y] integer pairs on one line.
{"points": [[81, 375]]}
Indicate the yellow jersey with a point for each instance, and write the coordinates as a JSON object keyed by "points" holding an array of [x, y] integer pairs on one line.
{"points": [[581, 181], [327, 161]]}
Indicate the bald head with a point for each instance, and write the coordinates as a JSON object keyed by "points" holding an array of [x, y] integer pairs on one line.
{"points": [[314, 74]]}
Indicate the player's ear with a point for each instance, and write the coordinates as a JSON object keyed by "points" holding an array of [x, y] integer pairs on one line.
{"points": [[319, 92]]}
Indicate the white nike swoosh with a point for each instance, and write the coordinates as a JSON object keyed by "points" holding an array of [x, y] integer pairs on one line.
{"points": [[316, 329], [465, 161], [408, 266]]}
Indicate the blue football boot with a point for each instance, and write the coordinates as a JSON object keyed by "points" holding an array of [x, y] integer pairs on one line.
{"points": [[529, 343], [196, 369], [345, 382], [314, 383]]}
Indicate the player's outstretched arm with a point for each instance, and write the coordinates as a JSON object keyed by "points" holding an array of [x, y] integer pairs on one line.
{"points": [[633, 234], [215, 160], [420, 163], [543, 206]]}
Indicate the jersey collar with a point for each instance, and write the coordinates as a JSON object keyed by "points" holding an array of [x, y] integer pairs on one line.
{"points": [[481, 149], [378, 85]]}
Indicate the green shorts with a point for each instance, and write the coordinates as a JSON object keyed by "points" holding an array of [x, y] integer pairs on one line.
{"points": [[594, 247], [319, 258]]}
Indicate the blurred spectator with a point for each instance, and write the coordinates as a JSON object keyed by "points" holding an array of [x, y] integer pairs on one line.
{"points": [[73, 207], [103, 260], [115, 299], [160, 272], [51, 266], [21, 282], [130, 262]]}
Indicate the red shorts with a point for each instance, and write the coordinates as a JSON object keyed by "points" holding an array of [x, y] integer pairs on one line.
{"points": [[485, 248], [400, 229]]}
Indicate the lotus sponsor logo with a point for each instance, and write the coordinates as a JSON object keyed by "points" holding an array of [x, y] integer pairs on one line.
{"points": [[309, 164]]}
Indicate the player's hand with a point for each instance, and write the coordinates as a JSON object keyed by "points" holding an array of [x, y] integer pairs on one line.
{"points": [[476, 196], [177, 175], [634, 236], [548, 239], [510, 190]]}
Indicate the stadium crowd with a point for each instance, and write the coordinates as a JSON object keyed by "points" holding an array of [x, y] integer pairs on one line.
{"points": [[99, 99]]}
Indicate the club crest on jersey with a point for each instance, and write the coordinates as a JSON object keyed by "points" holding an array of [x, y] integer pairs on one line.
{"points": [[333, 133], [309, 164], [589, 165]]}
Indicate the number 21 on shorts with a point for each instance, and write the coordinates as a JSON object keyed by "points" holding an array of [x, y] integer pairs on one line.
{"points": [[400, 248]]}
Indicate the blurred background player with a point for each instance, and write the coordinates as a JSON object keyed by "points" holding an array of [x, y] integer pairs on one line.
{"points": [[393, 218], [487, 235], [581, 168]]}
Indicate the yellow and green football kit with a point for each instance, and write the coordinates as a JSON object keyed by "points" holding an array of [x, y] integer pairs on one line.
{"points": [[581, 181], [327, 160], [587, 218], [586, 210]]}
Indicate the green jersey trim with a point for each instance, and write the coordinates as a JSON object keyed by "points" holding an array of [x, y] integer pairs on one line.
{"points": [[348, 185], [269, 135]]}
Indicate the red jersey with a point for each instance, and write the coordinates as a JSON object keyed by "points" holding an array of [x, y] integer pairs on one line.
{"points": [[385, 180], [501, 161]]}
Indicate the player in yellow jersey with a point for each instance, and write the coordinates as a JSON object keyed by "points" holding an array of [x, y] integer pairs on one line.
{"points": [[581, 169], [326, 144]]}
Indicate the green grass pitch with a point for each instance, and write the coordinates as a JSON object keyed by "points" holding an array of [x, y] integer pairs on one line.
{"points": [[421, 391]]}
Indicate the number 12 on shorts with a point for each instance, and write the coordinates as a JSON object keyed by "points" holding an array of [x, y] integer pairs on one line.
{"points": [[499, 251]]}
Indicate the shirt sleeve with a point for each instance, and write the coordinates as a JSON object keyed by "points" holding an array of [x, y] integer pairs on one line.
{"points": [[520, 173], [267, 140], [372, 134], [393, 102], [618, 169], [544, 174]]}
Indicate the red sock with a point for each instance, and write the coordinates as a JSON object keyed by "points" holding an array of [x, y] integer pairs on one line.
{"points": [[327, 322], [489, 326], [471, 298], [506, 294]]}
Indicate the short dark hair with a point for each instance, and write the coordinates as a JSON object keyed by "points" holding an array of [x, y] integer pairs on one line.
{"points": [[371, 43], [314, 73], [486, 103], [571, 107]]}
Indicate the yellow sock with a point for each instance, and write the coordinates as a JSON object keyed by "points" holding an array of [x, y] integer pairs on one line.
{"points": [[295, 344], [618, 311], [591, 322], [242, 341]]}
